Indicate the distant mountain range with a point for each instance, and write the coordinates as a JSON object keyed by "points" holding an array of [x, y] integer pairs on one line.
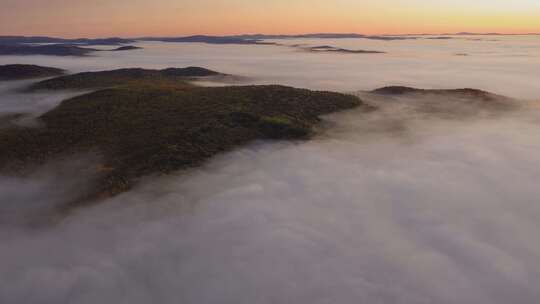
{"points": [[42, 45], [82, 41], [39, 45], [44, 49], [260, 38], [231, 39]]}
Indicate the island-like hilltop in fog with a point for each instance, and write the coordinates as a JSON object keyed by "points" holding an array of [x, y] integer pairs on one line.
{"points": [[142, 122], [26, 71], [21, 45]]}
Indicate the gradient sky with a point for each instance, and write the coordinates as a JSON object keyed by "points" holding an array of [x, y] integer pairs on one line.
{"points": [[93, 18]]}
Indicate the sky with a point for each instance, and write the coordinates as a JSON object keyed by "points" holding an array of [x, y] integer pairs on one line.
{"points": [[100, 18]]}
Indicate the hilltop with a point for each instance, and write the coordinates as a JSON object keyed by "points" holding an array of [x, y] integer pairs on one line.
{"points": [[134, 76], [48, 49], [54, 49], [465, 93], [152, 122], [82, 41], [27, 71], [455, 103]]}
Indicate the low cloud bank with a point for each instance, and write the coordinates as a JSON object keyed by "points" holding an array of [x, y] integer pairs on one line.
{"points": [[403, 205], [14, 101]]}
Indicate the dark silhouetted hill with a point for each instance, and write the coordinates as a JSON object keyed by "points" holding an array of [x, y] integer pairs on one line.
{"points": [[26, 71], [152, 122]]}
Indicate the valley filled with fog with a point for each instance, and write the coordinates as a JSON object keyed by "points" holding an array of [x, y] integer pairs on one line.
{"points": [[501, 64], [432, 198]]}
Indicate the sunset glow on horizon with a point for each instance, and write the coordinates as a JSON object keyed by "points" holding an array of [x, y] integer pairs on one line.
{"points": [[78, 18]]}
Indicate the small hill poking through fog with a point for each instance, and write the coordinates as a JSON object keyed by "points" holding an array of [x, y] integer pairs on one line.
{"points": [[27, 71], [455, 103], [465, 93], [133, 76], [63, 50], [46, 50]]}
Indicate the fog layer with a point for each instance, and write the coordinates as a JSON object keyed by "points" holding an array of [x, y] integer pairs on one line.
{"points": [[506, 65], [398, 206], [427, 200]]}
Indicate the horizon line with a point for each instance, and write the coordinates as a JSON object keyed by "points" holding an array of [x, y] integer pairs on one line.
{"points": [[284, 35]]}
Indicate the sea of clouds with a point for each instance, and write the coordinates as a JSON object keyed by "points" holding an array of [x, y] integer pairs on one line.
{"points": [[401, 205]]}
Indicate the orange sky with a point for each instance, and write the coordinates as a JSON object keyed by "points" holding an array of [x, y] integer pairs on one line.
{"points": [[78, 18]]}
